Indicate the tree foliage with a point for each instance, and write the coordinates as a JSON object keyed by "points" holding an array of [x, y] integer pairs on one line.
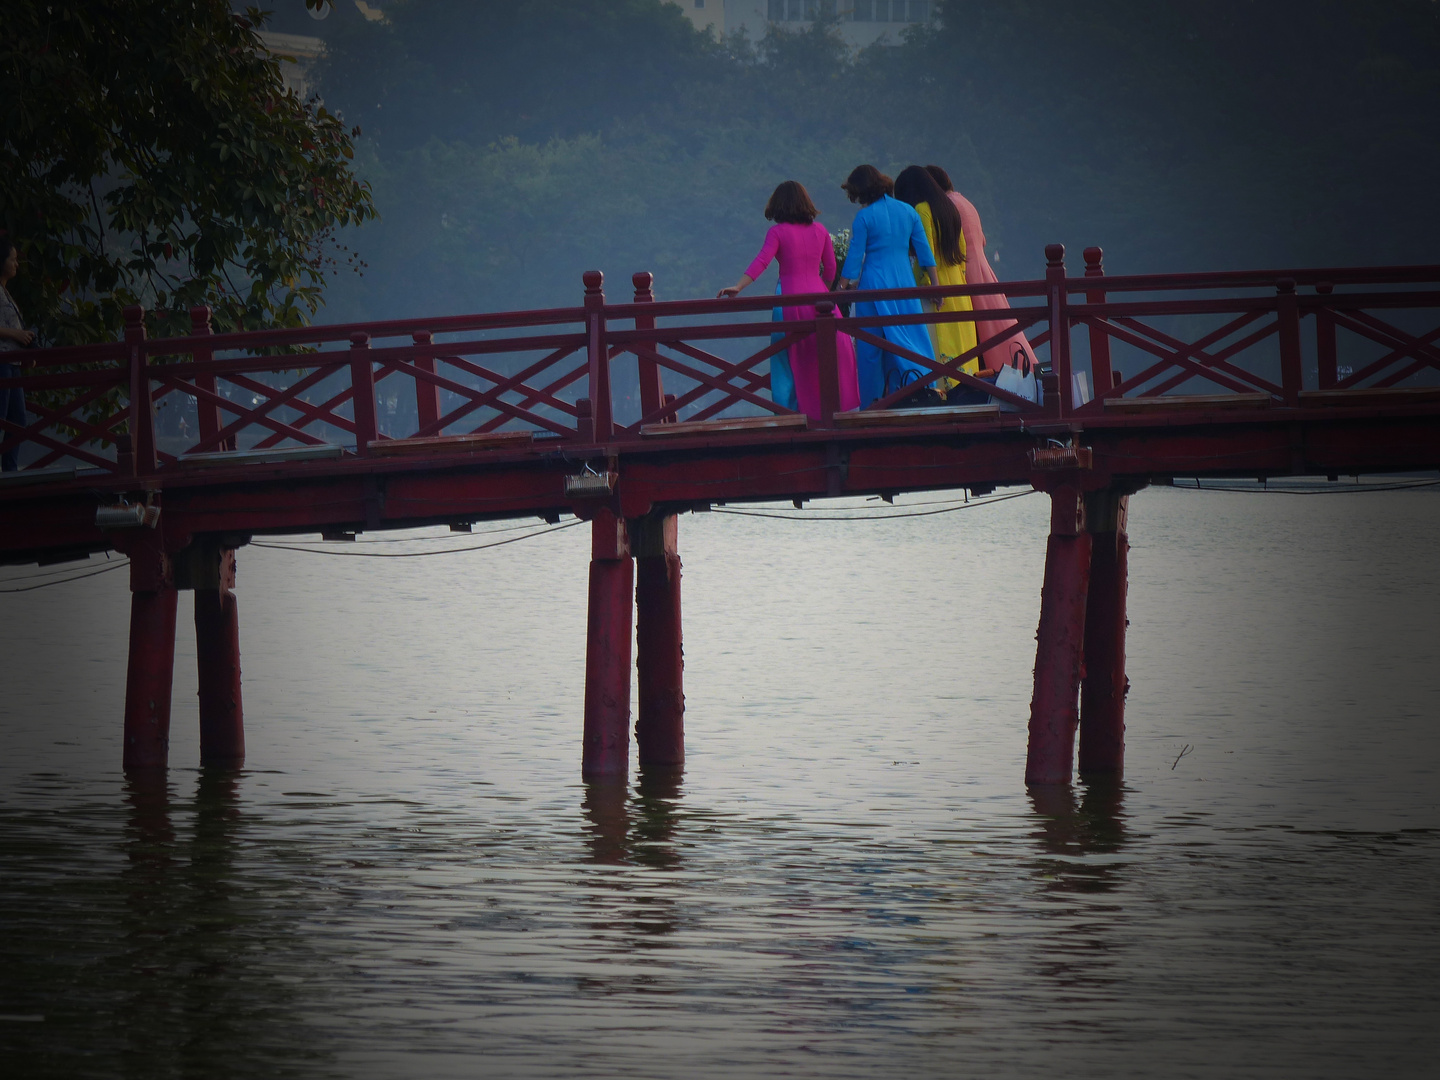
{"points": [[150, 153]]}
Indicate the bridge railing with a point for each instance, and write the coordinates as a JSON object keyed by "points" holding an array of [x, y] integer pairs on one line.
{"points": [[607, 372], [1252, 339]]}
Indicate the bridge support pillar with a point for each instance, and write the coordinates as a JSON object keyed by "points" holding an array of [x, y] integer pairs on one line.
{"points": [[150, 671], [609, 628], [660, 660], [1102, 693], [1060, 642], [217, 653]]}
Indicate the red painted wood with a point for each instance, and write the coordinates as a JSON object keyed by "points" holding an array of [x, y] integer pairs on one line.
{"points": [[1102, 692], [1060, 643], [208, 413], [609, 629], [142, 405], [1288, 318], [1325, 341], [827, 361], [1056, 289], [217, 653], [149, 674], [597, 351], [660, 659], [1099, 340], [427, 394], [362, 383], [652, 388]]}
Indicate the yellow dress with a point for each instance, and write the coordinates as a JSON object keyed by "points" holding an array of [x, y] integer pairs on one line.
{"points": [[951, 339]]}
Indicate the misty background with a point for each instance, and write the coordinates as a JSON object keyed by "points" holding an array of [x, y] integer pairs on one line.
{"points": [[513, 145]]}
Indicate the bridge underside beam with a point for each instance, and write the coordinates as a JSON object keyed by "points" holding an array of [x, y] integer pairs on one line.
{"points": [[58, 517]]}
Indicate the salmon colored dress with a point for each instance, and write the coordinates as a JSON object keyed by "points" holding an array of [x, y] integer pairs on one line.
{"points": [[979, 273]]}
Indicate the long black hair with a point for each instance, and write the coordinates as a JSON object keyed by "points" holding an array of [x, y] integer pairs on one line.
{"points": [[914, 185], [941, 177]]}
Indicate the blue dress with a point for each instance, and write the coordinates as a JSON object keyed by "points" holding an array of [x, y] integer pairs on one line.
{"points": [[782, 380], [882, 236]]}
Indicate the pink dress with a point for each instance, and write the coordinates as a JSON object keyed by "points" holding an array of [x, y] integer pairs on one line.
{"points": [[803, 251], [979, 273]]}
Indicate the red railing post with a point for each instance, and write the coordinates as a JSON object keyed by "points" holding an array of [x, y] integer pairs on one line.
{"points": [[598, 354], [1287, 311], [1325, 339], [427, 394], [1059, 326], [207, 413], [827, 362], [652, 388], [584, 421], [142, 407], [1099, 339], [362, 392]]}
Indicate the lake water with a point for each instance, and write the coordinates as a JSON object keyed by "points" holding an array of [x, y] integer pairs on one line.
{"points": [[850, 879]]}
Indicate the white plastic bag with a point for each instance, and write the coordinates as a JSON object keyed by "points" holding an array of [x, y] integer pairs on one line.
{"points": [[1019, 381]]}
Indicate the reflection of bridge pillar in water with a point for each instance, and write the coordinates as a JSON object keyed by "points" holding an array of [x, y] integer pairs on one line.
{"points": [[660, 661], [1102, 693], [607, 647], [607, 808]]}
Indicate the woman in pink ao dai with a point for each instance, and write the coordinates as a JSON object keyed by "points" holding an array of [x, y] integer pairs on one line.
{"points": [[807, 265]]}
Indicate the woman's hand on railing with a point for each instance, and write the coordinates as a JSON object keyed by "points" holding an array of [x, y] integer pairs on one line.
{"points": [[844, 283], [732, 291]]}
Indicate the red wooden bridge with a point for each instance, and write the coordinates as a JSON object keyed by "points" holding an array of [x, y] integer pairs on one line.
{"points": [[339, 429]]}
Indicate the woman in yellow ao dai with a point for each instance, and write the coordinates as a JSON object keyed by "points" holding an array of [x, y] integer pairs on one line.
{"points": [[947, 240]]}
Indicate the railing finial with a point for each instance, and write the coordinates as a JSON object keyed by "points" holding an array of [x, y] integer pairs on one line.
{"points": [[1054, 255], [200, 319], [594, 282], [644, 283], [1094, 262]]}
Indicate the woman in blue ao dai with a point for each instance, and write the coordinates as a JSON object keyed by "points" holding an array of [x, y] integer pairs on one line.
{"points": [[802, 246], [884, 233]]}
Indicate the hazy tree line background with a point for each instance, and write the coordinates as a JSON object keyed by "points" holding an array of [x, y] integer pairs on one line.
{"points": [[512, 145]]}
